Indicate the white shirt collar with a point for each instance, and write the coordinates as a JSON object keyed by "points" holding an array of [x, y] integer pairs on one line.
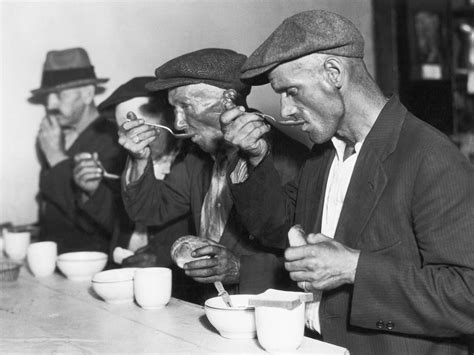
{"points": [[340, 146]]}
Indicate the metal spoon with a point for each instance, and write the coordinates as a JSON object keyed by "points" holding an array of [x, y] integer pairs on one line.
{"points": [[223, 293], [230, 95], [177, 135], [282, 122], [104, 172]]}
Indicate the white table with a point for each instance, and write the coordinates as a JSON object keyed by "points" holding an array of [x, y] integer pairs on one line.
{"points": [[56, 315]]}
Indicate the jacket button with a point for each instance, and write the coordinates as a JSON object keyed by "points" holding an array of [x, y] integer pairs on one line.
{"points": [[380, 324], [390, 325]]}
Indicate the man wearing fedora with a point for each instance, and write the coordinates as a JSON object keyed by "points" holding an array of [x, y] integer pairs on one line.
{"points": [[73, 127], [196, 187], [384, 204]]}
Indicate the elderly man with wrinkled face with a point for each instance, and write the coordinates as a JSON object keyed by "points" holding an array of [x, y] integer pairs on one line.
{"points": [[197, 186], [73, 130]]}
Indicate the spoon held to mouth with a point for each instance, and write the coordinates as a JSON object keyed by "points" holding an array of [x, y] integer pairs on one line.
{"points": [[131, 117], [176, 135], [230, 96]]}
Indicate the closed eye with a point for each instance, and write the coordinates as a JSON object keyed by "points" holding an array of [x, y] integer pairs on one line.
{"points": [[291, 92]]}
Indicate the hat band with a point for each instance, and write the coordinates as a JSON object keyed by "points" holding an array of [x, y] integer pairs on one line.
{"points": [[57, 77]]}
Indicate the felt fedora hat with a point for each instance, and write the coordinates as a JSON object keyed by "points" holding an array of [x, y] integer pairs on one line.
{"points": [[64, 69]]}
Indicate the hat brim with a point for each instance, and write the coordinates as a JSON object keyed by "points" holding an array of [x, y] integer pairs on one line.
{"points": [[258, 76], [113, 101], [38, 95], [171, 83]]}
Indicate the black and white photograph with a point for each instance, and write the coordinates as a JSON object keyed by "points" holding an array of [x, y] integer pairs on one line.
{"points": [[237, 177]]}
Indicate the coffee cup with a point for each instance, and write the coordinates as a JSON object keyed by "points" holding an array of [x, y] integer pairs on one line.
{"points": [[42, 257], [152, 287], [280, 330], [16, 244]]}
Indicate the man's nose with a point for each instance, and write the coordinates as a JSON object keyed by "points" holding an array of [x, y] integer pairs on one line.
{"points": [[180, 121], [287, 108], [52, 101]]}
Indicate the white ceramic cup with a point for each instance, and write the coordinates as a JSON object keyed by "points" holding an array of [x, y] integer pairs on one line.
{"points": [[280, 330], [42, 257], [16, 244], [152, 287]]}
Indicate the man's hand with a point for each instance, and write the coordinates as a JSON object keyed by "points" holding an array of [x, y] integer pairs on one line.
{"points": [[246, 131], [135, 136], [51, 141], [86, 173], [140, 259], [323, 263], [222, 265]]}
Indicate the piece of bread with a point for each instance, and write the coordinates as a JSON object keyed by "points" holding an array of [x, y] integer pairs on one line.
{"points": [[297, 236], [183, 247]]}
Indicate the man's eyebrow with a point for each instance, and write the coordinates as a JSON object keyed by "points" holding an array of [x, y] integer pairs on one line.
{"points": [[278, 88]]}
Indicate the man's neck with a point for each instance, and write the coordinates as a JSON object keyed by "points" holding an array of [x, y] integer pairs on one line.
{"points": [[360, 115]]}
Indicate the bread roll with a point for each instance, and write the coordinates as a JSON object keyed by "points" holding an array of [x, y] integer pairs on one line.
{"points": [[297, 236], [183, 247]]}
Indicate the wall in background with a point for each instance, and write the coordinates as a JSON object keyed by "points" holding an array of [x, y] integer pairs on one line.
{"points": [[124, 39]]}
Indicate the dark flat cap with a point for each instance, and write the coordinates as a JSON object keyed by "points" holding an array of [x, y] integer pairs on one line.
{"points": [[213, 66], [307, 32], [131, 89]]}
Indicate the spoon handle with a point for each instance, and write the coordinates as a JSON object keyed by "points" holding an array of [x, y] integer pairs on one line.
{"points": [[229, 97], [223, 293]]}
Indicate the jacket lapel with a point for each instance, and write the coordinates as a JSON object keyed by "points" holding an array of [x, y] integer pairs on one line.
{"points": [[312, 187], [369, 178], [367, 184]]}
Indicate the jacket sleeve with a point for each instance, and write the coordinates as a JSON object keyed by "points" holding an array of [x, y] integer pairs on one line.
{"points": [[105, 206], [57, 186], [156, 202], [266, 208], [436, 296]]}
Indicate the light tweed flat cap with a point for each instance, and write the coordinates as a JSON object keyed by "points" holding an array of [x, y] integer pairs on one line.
{"points": [[315, 31], [213, 66]]}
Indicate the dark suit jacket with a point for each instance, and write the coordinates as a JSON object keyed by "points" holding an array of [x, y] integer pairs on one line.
{"points": [[409, 208], [62, 219], [153, 202]]}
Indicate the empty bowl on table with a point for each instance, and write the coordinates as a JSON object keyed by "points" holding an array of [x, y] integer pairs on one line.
{"points": [[81, 265], [9, 271], [237, 322], [115, 286]]}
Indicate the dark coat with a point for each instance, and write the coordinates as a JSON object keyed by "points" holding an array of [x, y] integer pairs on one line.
{"points": [[153, 202], [409, 208], [62, 219]]}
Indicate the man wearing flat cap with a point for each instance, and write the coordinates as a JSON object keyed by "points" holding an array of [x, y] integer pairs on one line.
{"points": [[73, 130], [195, 83], [384, 204]]}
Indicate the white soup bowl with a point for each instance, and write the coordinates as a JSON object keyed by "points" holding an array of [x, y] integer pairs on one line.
{"points": [[237, 322], [81, 265]]}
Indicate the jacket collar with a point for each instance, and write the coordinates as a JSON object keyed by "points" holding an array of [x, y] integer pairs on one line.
{"points": [[369, 177], [383, 137]]}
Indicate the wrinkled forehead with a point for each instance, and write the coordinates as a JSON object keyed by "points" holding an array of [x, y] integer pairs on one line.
{"points": [[195, 94], [300, 68]]}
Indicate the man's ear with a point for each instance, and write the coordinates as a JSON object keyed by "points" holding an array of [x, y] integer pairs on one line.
{"points": [[88, 93], [334, 71]]}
